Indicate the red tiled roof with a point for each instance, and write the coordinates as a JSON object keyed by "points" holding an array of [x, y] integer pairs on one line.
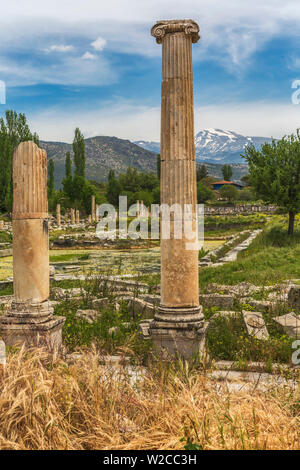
{"points": [[223, 182]]}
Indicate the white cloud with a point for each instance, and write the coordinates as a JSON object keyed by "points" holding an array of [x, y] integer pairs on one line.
{"points": [[88, 56], [99, 44], [231, 30], [127, 121], [60, 48], [65, 70]]}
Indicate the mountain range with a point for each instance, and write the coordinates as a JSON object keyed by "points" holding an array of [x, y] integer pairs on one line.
{"points": [[214, 147], [102, 154]]}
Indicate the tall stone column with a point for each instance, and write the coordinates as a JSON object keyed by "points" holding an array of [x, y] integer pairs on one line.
{"points": [[58, 215], [178, 324], [93, 209], [77, 216], [30, 318]]}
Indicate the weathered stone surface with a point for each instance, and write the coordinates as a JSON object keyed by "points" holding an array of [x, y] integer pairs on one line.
{"points": [[142, 308], [255, 324], [261, 305], [290, 323], [63, 294], [91, 316], [217, 300], [58, 216], [179, 264], [144, 329], [29, 320], [7, 252], [99, 303], [2, 353], [294, 298], [93, 215]]}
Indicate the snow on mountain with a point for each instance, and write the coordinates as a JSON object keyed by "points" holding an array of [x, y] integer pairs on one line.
{"points": [[217, 145]]}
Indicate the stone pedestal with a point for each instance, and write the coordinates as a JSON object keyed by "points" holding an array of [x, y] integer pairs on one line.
{"points": [[178, 326], [30, 319]]}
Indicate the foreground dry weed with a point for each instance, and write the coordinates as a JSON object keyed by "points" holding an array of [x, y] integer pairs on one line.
{"points": [[46, 405]]}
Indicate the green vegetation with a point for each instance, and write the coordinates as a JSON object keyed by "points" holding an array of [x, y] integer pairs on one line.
{"points": [[274, 173], [204, 193], [227, 172], [5, 237], [13, 130], [229, 192], [202, 172], [228, 340], [272, 257], [136, 186]]}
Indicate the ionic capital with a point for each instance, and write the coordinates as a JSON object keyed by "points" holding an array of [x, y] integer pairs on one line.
{"points": [[189, 27]]}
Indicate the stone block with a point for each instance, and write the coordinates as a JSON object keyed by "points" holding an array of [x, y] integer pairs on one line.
{"points": [[216, 300], [255, 324], [290, 323], [294, 298]]}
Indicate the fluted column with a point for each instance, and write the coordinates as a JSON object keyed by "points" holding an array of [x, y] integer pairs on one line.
{"points": [[58, 215], [30, 224], [179, 311], [77, 216], [30, 319], [93, 209], [72, 216]]}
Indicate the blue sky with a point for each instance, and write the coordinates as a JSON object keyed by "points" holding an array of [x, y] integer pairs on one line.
{"points": [[94, 64]]}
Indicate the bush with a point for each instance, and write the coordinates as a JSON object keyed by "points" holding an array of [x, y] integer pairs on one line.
{"points": [[204, 193]]}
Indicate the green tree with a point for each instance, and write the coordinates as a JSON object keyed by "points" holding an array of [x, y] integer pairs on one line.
{"points": [[275, 173], [68, 165], [229, 192], [13, 130], [227, 172], [79, 153], [245, 179], [202, 172], [158, 165], [113, 189], [204, 193], [246, 194], [50, 178]]}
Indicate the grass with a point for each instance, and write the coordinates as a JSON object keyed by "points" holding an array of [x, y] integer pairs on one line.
{"points": [[78, 332], [47, 404], [272, 257], [227, 339], [5, 237], [68, 257]]}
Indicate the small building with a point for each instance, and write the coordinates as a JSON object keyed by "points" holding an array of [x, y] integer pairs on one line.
{"points": [[219, 184]]}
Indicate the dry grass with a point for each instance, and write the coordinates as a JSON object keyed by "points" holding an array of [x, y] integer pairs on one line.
{"points": [[46, 405]]}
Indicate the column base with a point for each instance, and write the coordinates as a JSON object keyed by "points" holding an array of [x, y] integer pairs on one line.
{"points": [[32, 324], [179, 331]]}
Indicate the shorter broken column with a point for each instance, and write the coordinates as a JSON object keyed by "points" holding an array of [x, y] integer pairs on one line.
{"points": [[30, 319], [93, 209], [77, 217], [58, 216], [72, 217]]}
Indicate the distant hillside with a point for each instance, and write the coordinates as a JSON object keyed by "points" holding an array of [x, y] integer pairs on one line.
{"points": [[102, 154], [105, 153]]}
